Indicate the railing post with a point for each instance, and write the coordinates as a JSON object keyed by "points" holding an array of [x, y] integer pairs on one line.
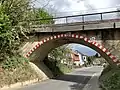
{"points": [[83, 19], [101, 16], [66, 20], [114, 25]]}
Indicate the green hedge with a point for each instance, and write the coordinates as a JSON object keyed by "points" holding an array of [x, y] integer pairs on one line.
{"points": [[110, 79], [14, 62]]}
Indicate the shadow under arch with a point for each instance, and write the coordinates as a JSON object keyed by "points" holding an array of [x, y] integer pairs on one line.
{"points": [[43, 47]]}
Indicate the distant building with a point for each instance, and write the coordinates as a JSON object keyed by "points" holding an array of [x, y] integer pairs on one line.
{"points": [[78, 58], [74, 57]]}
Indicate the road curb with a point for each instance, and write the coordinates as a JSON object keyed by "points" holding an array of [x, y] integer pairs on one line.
{"points": [[101, 84], [95, 75], [20, 84]]}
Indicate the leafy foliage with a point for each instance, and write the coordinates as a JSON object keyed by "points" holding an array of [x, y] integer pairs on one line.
{"points": [[56, 67], [54, 60], [16, 9], [90, 60], [15, 16], [6, 35], [113, 81], [110, 78], [14, 62], [60, 53], [42, 16]]}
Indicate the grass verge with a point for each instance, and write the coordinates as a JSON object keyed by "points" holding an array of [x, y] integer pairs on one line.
{"points": [[20, 74]]}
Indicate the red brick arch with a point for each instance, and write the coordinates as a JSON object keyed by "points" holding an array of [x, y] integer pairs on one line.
{"points": [[76, 36]]}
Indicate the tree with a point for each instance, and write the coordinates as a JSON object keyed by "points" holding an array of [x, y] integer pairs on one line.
{"points": [[41, 16], [6, 35], [60, 53], [10, 14], [54, 60], [16, 10], [96, 55], [14, 23], [19, 13], [90, 59]]}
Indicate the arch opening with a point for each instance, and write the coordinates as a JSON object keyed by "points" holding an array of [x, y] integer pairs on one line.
{"points": [[75, 55]]}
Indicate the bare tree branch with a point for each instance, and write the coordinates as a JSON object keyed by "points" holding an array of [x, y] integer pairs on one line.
{"points": [[46, 4]]}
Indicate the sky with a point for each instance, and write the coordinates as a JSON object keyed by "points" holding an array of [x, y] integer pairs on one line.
{"points": [[59, 8], [83, 49], [75, 7]]}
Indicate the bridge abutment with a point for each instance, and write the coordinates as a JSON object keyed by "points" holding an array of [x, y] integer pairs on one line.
{"points": [[42, 69]]}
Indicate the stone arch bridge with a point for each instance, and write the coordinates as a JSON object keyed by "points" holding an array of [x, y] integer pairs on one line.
{"points": [[103, 36]]}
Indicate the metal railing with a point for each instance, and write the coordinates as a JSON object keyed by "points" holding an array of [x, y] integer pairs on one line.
{"points": [[80, 18]]}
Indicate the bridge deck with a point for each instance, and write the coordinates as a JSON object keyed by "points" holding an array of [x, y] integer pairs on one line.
{"points": [[77, 26], [93, 21]]}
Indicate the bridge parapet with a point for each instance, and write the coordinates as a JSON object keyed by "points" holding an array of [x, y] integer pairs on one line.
{"points": [[76, 26], [104, 20]]}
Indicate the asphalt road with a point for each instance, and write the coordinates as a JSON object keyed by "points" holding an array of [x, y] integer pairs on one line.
{"points": [[79, 79]]}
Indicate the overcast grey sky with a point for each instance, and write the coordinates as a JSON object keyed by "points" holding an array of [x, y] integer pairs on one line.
{"points": [[77, 6], [60, 8]]}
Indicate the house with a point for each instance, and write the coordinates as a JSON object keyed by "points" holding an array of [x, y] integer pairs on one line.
{"points": [[74, 57], [78, 58]]}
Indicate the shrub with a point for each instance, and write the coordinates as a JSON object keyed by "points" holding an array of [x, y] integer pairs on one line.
{"points": [[14, 62], [110, 78], [56, 67]]}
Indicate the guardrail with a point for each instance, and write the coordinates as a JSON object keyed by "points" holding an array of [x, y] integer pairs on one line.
{"points": [[80, 18]]}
